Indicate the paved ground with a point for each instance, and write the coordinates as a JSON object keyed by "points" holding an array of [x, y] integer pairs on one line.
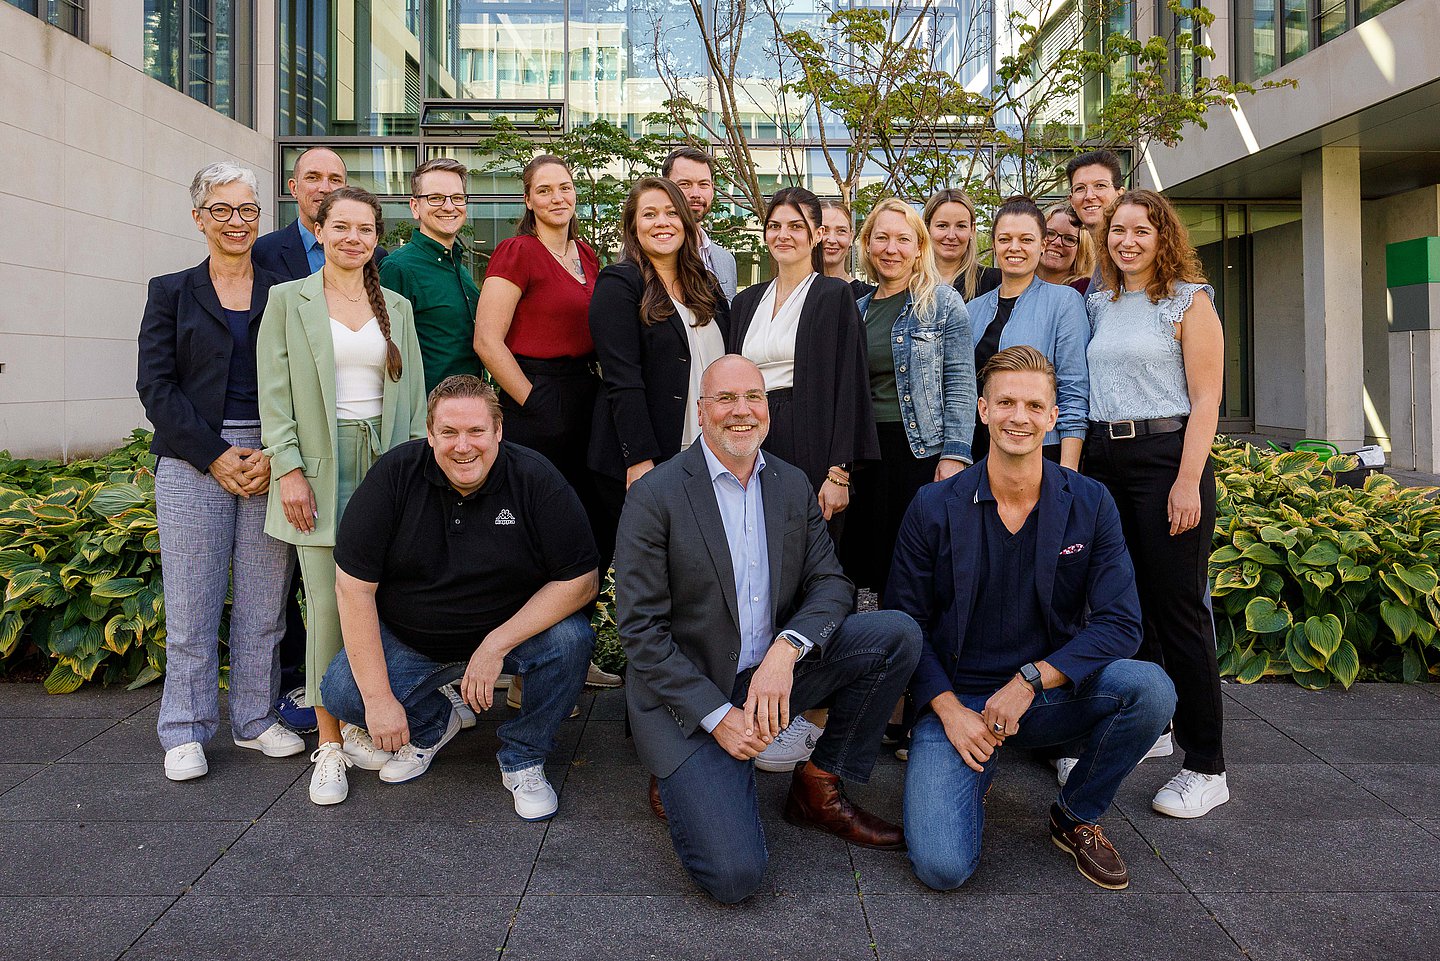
{"points": [[1331, 849]]}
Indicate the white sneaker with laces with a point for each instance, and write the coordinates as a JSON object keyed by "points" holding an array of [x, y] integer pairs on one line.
{"points": [[277, 740], [1063, 767], [1191, 794], [328, 783], [1164, 746], [597, 676], [792, 746], [411, 761], [361, 750], [467, 716], [535, 799], [184, 762]]}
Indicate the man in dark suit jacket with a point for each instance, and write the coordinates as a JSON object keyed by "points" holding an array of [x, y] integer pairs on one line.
{"points": [[1017, 568], [733, 613], [292, 251]]}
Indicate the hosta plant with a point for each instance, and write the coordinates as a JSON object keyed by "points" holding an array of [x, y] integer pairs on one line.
{"points": [[1318, 581]]}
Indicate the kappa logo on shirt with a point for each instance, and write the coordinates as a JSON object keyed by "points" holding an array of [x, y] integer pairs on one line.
{"points": [[504, 518]]}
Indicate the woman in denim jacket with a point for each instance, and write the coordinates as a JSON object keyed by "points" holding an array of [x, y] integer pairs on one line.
{"points": [[1049, 317], [922, 383]]}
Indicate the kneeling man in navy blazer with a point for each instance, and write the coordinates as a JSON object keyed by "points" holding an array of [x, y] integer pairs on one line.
{"points": [[1018, 573]]}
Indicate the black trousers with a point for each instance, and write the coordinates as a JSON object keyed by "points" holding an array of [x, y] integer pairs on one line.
{"points": [[1172, 576], [782, 442], [555, 423], [880, 493]]}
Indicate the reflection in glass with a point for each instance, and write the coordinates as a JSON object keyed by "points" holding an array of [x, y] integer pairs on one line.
{"points": [[1297, 28], [1365, 9], [1332, 18], [496, 49], [380, 170]]}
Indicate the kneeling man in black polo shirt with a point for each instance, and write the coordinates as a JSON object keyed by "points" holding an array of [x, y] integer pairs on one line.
{"points": [[459, 557]]}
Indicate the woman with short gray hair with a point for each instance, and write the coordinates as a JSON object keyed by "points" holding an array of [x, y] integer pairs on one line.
{"points": [[197, 380]]}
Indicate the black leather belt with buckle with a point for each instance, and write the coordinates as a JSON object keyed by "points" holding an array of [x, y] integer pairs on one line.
{"points": [[1130, 429]]}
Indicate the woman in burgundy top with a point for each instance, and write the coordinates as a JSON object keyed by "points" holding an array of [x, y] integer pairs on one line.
{"points": [[532, 332]]}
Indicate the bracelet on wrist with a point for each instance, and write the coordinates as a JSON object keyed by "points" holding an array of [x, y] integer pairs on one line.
{"points": [[838, 482]]}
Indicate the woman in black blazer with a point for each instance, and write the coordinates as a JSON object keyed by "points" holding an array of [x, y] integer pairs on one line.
{"points": [[198, 382], [658, 319], [802, 329]]}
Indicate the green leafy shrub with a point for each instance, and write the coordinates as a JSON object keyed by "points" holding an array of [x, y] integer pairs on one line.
{"points": [[1318, 581], [80, 566], [608, 652]]}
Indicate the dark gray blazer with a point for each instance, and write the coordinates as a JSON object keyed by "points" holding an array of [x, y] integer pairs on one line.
{"points": [[675, 594]]}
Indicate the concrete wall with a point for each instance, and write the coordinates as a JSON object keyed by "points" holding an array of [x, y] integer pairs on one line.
{"points": [[1279, 331], [97, 159]]}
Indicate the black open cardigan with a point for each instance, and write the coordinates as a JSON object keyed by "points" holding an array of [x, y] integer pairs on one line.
{"points": [[832, 377]]}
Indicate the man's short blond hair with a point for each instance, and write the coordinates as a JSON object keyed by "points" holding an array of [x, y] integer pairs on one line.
{"points": [[1020, 359]]}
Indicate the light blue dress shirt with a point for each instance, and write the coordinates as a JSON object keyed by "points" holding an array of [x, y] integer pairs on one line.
{"points": [[742, 511], [314, 250]]}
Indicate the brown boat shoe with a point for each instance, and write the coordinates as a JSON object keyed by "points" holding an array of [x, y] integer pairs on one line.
{"points": [[1094, 855]]}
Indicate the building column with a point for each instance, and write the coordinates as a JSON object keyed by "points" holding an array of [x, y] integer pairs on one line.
{"points": [[1334, 345], [1412, 274]]}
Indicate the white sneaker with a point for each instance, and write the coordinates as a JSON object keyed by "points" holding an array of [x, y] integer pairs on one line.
{"points": [[1063, 767], [328, 784], [535, 799], [360, 750], [467, 716], [1164, 746], [1191, 794], [186, 761], [411, 761], [277, 740], [599, 677], [793, 746]]}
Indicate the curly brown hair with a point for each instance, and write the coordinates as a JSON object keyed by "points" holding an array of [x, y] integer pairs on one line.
{"points": [[1175, 259]]}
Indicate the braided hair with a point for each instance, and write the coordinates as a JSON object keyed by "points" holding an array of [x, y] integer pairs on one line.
{"points": [[369, 273]]}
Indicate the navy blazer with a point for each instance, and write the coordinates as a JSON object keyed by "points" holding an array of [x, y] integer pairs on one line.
{"points": [[282, 252], [184, 364], [641, 413], [1083, 576]]}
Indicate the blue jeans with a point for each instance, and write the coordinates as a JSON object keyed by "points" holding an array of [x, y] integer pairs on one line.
{"points": [[1114, 716], [554, 663], [710, 799]]}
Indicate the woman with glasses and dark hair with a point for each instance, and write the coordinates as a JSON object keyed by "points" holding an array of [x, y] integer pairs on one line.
{"points": [[803, 331], [341, 382], [1069, 253], [1156, 358], [949, 215], [1025, 310], [658, 319], [532, 332], [197, 380]]}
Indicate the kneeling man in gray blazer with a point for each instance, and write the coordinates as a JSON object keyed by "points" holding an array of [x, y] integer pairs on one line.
{"points": [[734, 615]]}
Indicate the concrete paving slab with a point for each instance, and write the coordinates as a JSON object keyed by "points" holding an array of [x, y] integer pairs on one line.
{"points": [[38, 741], [85, 928], [1397, 926], [1363, 702], [1368, 742], [13, 774], [606, 792], [1227, 856], [1255, 742], [1411, 789], [609, 705], [249, 928], [134, 741], [1266, 791], [31, 700], [605, 742], [1103, 926], [116, 857], [792, 927], [1019, 859], [637, 857], [134, 792], [342, 858]]}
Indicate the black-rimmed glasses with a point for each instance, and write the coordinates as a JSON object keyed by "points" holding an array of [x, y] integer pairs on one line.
{"points": [[1066, 240], [438, 200], [221, 213]]}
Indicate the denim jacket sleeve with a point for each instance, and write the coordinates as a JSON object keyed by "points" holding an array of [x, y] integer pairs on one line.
{"points": [[959, 376], [1072, 373]]}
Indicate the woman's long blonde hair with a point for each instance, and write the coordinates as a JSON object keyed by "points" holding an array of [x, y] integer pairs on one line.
{"points": [[969, 276], [925, 276]]}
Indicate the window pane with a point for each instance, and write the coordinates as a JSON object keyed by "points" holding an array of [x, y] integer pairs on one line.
{"points": [[380, 170], [497, 49], [1365, 9], [1331, 19], [349, 67], [1297, 28], [162, 41]]}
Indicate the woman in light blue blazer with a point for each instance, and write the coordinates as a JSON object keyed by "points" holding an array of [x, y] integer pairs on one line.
{"points": [[1026, 310]]}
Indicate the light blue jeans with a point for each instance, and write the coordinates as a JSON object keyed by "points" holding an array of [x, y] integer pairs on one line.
{"points": [[1113, 716], [208, 537], [554, 663]]}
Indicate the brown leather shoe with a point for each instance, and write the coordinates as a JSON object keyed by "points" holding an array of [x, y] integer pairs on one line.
{"points": [[817, 800], [657, 805], [1094, 855]]}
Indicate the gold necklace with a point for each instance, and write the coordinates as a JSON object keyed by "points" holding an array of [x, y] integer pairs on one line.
{"points": [[353, 300]]}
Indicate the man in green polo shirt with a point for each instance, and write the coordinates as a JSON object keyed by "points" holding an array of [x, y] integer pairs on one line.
{"points": [[430, 272]]}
